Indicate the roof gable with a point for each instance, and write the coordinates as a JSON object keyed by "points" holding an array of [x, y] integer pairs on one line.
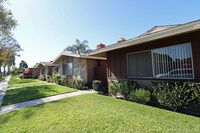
{"points": [[158, 29], [62, 55]]}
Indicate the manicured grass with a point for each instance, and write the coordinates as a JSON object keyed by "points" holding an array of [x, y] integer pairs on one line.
{"points": [[33, 92], [96, 113], [26, 84], [3, 78], [15, 80]]}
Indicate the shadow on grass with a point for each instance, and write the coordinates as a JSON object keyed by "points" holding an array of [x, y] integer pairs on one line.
{"points": [[5, 118], [30, 93], [24, 113]]}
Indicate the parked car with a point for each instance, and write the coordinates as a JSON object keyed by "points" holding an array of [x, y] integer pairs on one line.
{"points": [[177, 73]]}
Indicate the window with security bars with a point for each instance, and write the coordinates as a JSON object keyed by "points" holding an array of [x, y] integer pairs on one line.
{"points": [[173, 62]]}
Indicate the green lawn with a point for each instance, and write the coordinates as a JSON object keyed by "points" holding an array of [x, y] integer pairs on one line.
{"points": [[33, 92], [26, 84], [3, 78], [15, 80], [96, 113]]}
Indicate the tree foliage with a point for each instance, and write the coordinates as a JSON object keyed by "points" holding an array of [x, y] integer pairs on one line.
{"points": [[23, 64], [78, 48], [36, 64], [9, 47]]}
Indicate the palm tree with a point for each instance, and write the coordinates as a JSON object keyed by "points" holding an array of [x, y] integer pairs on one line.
{"points": [[78, 48]]}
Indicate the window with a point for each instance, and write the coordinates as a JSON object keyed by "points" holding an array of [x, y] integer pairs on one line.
{"points": [[43, 70], [170, 62], [69, 70], [67, 67], [139, 65]]}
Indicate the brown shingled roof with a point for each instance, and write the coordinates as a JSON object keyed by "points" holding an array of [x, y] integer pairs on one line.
{"points": [[158, 28], [46, 64]]}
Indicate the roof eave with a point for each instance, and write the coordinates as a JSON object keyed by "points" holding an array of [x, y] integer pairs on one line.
{"points": [[190, 27], [56, 60]]}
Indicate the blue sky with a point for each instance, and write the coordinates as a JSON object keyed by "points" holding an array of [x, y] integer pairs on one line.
{"points": [[46, 27]]}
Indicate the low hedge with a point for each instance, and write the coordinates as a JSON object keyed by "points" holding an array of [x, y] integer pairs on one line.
{"points": [[177, 95], [140, 95]]}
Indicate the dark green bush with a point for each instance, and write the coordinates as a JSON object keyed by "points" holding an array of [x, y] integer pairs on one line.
{"points": [[140, 96], [195, 88], [177, 95], [54, 77], [42, 77], [71, 83], [77, 84], [64, 80], [125, 88], [57, 79], [20, 76], [88, 86], [59, 82], [49, 79], [97, 85], [113, 88]]}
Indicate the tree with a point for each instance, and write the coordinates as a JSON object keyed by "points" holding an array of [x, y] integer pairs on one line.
{"points": [[78, 47], [14, 48], [4, 60], [7, 41], [9, 47], [36, 64], [23, 64]]}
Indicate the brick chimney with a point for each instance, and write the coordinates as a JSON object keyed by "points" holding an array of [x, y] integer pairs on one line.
{"points": [[121, 40], [100, 46]]}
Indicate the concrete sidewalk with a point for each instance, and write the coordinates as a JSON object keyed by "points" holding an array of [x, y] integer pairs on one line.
{"points": [[3, 87], [17, 106]]}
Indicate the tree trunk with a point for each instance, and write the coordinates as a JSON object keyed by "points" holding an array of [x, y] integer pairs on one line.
{"points": [[4, 70], [8, 69], [0, 70]]}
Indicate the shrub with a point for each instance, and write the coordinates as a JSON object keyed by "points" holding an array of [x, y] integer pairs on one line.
{"points": [[79, 84], [76, 83], [64, 80], [125, 88], [195, 88], [20, 76], [96, 85], [42, 77], [54, 78], [176, 95], [71, 83], [57, 79], [49, 79], [140, 96], [88, 86], [113, 88]]}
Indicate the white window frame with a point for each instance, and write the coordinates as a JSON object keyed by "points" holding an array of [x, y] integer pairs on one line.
{"points": [[153, 67]]}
